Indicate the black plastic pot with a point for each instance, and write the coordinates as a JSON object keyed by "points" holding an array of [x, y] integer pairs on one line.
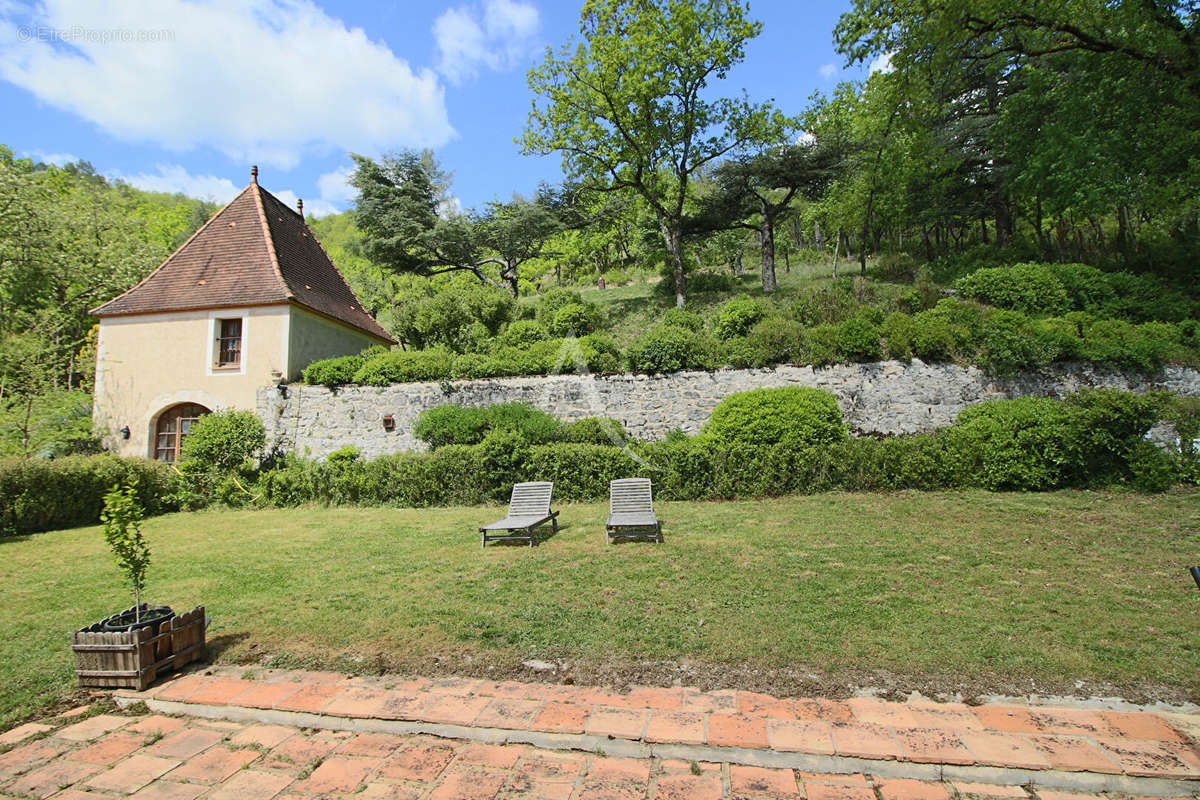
{"points": [[149, 615]]}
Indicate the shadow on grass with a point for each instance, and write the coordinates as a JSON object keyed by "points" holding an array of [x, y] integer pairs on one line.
{"points": [[218, 645], [540, 535]]}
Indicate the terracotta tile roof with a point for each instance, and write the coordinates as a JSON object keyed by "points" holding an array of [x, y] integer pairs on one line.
{"points": [[254, 251]]}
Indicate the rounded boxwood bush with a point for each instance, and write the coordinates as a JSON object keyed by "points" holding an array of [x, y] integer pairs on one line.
{"points": [[402, 366], [670, 349], [332, 371], [523, 333], [574, 318], [450, 424], [594, 430], [858, 340], [224, 440], [796, 417], [1032, 288], [738, 316]]}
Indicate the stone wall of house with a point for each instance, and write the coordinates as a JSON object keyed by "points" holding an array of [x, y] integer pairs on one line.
{"points": [[890, 397]]}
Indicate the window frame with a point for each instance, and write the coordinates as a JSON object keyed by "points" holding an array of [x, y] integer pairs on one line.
{"points": [[216, 319]]}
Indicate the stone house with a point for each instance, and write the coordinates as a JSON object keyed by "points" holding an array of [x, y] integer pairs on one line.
{"points": [[248, 301]]}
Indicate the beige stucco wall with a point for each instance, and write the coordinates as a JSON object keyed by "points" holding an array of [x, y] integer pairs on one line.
{"points": [[149, 362], [313, 337]]}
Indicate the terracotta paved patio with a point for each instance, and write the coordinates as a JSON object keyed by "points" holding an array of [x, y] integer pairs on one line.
{"points": [[265, 734]]}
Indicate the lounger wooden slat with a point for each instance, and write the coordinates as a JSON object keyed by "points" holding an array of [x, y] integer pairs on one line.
{"points": [[528, 509], [631, 511]]}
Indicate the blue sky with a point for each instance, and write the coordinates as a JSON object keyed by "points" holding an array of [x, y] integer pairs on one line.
{"points": [[176, 95]]}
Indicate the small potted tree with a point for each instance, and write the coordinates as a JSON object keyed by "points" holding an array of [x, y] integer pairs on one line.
{"points": [[130, 649], [122, 518]]}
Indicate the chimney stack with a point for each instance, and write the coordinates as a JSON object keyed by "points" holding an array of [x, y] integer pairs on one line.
{"points": [[254, 174], [300, 206]]}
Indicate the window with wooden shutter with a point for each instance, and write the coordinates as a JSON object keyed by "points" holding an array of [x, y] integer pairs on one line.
{"points": [[229, 343]]}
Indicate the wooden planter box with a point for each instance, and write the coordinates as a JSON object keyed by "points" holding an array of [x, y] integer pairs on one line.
{"points": [[132, 660]]}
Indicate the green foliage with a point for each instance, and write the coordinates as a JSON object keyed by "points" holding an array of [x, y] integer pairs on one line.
{"points": [[574, 319], [898, 331], [38, 494], [795, 417], [667, 348], [1184, 414], [224, 441], [858, 340], [779, 341], [1031, 288], [681, 318], [452, 424], [524, 333], [48, 425], [401, 366], [332, 371], [738, 316], [1038, 443], [122, 519], [594, 430], [450, 317]]}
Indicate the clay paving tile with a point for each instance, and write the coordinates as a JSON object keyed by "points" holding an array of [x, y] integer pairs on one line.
{"points": [[800, 736], [1073, 754]]}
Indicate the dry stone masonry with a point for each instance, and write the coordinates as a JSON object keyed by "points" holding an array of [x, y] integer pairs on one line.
{"points": [[890, 397]]}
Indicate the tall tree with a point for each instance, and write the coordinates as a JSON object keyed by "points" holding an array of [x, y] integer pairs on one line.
{"points": [[628, 107], [410, 223], [764, 185]]}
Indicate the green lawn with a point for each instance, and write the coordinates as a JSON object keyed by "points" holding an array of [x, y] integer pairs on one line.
{"points": [[984, 591]]}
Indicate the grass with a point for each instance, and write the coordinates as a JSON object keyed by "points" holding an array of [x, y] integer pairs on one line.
{"points": [[635, 307], [995, 589]]}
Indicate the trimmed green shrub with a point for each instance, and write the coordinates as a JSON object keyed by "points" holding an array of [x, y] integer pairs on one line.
{"points": [[450, 424], [741, 352], [469, 366], [1010, 343], [858, 340], [1021, 444], [683, 319], [594, 430], [697, 283], [523, 333], [41, 494], [580, 471], [738, 316], [575, 319], [796, 417], [669, 349], [1032, 288], [822, 345], [401, 366], [779, 340], [453, 424], [224, 440], [1087, 288], [332, 371], [898, 331]]}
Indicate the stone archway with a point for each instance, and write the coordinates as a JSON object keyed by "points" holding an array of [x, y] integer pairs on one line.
{"points": [[172, 427]]}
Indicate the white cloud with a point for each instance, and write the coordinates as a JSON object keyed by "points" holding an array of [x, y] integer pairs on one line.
{"points": [[263, 81], [317, 208], [58, 159], [172, 178], [882, 63], [499, 37], [335, 186], [828, 71]]}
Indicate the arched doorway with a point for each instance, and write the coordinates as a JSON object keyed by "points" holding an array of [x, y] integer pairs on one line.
{"points": [[173, 426]]}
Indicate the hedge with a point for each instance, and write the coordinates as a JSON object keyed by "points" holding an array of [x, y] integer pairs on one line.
{"points": [[41, 494]]}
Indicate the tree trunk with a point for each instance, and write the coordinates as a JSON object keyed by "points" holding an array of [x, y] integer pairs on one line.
{"points": [[766, 233], [837, 245], [1002, 213], [820, 242], [508, 276], [673, 239]]}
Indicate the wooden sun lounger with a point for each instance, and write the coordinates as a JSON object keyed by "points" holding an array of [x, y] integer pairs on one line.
{"points": [[631, 511], [528, 509]]}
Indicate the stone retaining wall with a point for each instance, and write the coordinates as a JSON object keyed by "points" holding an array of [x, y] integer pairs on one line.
{"points": [[890, 397]]}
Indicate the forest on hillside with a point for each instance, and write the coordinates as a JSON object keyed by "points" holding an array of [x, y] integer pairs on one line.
{"points": [[1002, 141]]}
